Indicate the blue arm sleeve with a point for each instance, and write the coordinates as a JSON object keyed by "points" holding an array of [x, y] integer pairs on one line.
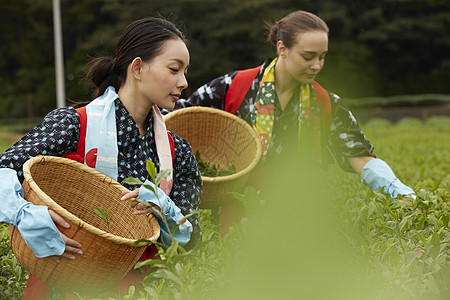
{"points": [[173, 214], [377, 174], [33, 221]]}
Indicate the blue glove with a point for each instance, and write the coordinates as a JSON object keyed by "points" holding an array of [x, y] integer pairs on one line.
{"points": [[34, 222], [172, 212], [377, 174]]}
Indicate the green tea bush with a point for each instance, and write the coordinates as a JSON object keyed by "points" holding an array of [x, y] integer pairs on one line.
{"points": [[320, 236], [13, 277], [402, 245], [378, 123]]}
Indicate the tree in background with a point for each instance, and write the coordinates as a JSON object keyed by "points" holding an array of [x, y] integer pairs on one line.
{"points": [[377, 48]]}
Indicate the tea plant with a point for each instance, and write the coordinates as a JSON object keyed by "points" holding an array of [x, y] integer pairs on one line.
{"points": [[171, 274], [13, 277], [157, 179], [351, 244]]}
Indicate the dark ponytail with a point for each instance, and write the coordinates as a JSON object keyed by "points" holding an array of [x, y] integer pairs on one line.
{"points": [[102, 74], [143, 38]]}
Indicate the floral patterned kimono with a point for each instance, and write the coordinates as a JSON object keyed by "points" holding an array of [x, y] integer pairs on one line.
{"points": [[345, 137]]}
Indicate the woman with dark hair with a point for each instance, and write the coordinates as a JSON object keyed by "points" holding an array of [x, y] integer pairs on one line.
{"points": [[124, 128], [293, 115]]}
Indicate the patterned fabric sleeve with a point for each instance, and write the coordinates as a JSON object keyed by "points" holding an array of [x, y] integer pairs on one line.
{"points": [[187, 184], [57, 134], [346, 139], [211, 94]]}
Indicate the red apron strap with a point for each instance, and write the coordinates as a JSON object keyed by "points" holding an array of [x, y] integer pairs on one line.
{"points": [[324, 102], [323, 99], [83, 125], [238, 89], [79, 155], [172, 146]]}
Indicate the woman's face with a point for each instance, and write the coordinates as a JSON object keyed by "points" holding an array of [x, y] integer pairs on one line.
{"points": [[304, 60], [164, 77]]}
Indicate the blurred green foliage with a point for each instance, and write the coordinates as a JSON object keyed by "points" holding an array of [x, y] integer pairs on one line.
{"points": [[377, 48], [318, 235]]}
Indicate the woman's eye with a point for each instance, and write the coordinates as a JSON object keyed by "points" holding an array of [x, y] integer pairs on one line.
{"points": [[307, 57], [174, 70]]}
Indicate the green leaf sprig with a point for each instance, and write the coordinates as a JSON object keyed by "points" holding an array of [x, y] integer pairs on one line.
{"points": [[157, 179], [103, 214], [212, 171]]}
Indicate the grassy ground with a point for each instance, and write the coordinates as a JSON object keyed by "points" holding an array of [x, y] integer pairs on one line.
{"points": [[8, 136]]}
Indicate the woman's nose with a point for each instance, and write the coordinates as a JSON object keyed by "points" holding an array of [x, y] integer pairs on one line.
{"points": [[316, 65], [183, 82]]}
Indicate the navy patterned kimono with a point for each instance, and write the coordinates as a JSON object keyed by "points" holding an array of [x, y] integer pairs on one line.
{"points": [[59, 132]]}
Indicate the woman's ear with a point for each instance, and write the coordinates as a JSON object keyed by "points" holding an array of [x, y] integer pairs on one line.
{"points": [[136, 68], [281, 48]]}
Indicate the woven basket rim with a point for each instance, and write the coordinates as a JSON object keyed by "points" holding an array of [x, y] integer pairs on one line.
{"points": [[226, 114], [68, 215]]}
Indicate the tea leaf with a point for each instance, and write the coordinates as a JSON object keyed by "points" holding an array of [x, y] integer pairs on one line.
{"points": [[172, 250], [151, 169], [436, 239], [170, 276], [158, 214], [101, 213], [143, 241], [422, 238], [183, 220], [151, 292], [191, 214], [393, 231], [132, 181], [147, 186], [151, 262], [174, 227], [212, 171], [131, 291], [237, 195], [78, 295], [434, 250], [141, 201], [163, 174]]}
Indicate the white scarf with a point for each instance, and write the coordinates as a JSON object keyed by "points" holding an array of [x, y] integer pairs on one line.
{"points": [[101, 133]]}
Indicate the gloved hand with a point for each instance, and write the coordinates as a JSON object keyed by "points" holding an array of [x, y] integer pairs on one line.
{"points": [[377, 174], [33, 221], [172, 212]]}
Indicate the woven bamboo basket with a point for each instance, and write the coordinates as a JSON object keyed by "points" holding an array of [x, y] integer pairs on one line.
{"points": [[73, 190], [221, 139]]}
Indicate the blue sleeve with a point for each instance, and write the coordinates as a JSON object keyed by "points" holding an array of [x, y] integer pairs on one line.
{"points": [[172, 213], [33, 221]]}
